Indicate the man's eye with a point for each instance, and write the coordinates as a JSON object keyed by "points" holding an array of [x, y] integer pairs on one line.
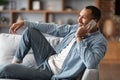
{"points": [[85, 17]]}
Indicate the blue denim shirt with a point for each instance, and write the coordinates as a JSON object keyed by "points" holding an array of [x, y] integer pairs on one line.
{"points": [[84, 54]]}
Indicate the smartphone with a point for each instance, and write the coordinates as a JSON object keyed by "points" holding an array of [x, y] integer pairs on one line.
{"points": [[92, 24]]}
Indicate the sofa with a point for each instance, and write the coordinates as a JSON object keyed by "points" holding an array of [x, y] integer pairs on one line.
{"points": [[9, 42]]}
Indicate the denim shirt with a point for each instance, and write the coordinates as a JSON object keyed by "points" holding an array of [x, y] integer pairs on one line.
{"points": [[84, 54]]}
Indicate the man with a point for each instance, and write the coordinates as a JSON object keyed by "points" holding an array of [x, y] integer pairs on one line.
{"points": [[79, 49]]}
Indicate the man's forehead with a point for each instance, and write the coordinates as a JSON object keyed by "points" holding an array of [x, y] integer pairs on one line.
{"points": [[85, 12]]}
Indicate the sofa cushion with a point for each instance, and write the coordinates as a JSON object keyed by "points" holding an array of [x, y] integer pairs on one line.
{"points": [[9, 43]]}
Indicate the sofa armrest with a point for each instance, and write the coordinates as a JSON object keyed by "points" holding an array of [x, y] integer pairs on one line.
{"points": [[91, 74]]}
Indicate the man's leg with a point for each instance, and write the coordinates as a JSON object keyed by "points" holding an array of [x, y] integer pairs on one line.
{"points": [[40, 46], [18, 71]]}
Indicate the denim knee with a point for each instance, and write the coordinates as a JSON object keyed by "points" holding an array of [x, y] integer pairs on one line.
{"points": [[7, 67], [5, 70], [32, 32], [35, 31]]}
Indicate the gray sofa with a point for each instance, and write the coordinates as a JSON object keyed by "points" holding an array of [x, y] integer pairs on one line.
{"points": [[9, 42]]}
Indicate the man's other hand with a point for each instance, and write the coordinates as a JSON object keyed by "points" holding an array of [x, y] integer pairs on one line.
{"points": [[15, 27]]}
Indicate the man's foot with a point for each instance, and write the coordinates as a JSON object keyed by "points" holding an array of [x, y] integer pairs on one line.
{"points": [[15, 60]]}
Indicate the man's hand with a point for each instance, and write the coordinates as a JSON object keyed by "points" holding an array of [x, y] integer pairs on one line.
{"points": [[81, 32], [16, 26]]}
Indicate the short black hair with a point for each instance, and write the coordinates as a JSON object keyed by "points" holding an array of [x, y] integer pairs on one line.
{"points": [[96, 13]]}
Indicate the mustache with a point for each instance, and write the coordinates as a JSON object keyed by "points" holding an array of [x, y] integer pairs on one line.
{"points": [[80, 24]]}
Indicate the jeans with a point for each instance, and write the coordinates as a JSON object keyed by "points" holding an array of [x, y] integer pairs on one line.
{"points": [[34, 39]]}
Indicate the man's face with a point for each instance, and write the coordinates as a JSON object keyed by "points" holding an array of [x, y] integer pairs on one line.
{"points": [[84, 17]]}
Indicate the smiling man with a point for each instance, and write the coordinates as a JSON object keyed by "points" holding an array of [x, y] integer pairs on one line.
{"points": [[82, 47]]}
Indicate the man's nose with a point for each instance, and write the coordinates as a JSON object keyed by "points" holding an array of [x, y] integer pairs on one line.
{"points": [[80, 19]]}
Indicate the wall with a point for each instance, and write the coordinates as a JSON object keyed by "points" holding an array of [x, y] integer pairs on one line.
{"points": [[107, 9], [110, 66]]}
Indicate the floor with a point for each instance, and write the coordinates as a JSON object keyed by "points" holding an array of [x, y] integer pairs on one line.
{"points": [[109, 71]]}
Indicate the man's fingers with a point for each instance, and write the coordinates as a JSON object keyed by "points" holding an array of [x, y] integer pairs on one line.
{"points": [[88, 28], [13, 28]]}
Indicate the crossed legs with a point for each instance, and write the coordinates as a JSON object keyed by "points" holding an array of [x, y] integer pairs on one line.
{"points": [[34, 39]]}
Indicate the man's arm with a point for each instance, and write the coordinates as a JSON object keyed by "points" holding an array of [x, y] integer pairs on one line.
{"points": [[49, 28]]}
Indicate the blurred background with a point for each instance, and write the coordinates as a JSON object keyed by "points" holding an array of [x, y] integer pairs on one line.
{"points": [[66, 12]]}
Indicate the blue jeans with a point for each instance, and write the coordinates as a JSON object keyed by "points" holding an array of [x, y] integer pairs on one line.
{"points": [[34, 39]]}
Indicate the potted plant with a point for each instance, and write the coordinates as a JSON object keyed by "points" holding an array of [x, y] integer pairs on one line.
{"points": [[3, 3]]}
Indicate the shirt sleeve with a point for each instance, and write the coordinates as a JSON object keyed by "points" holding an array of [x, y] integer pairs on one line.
{"points": [[50, 28], [91, 56]]}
